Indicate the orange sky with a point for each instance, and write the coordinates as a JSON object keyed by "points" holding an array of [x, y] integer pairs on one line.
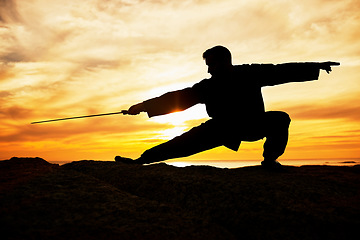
{"points": [[67, 58]]}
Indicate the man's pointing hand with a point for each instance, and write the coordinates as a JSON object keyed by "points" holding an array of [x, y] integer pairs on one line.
{"points": [[327, 65]]}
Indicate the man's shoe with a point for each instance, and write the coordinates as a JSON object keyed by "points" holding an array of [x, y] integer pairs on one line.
{"points": [[120, 159], [271, 164]]}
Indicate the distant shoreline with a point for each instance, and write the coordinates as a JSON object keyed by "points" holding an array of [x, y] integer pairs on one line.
{"points": [[245, 163]]}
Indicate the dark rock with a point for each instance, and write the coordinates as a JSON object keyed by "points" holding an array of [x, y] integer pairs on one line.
{"points": [[24, 162], [108, 200], [17, 171]]}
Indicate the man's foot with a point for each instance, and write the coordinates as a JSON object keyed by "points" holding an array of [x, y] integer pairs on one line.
{"points": [[271, 164], [120, 159]]}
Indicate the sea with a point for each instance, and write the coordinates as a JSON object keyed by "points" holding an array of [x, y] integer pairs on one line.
{"points": [[247, 163]]}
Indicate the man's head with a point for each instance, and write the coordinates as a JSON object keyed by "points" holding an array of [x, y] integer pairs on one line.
{"points": [[218, 60]]}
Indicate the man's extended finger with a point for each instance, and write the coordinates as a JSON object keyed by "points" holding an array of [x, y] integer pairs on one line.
{"points": [[334, 63]]}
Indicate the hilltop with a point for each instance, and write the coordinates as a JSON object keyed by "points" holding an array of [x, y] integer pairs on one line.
{"points": [[108, 200]]}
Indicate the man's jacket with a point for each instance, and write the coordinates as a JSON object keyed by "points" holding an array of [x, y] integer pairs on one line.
{"points": [[235, 96]]}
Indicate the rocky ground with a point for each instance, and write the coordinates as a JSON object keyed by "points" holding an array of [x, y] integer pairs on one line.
{"points": [[108, 200]]}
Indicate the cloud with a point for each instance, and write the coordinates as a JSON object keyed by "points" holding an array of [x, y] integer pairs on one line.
{"points": [[66, 130], [4, 94], [346, 109], [5, 71], [8, 11], [15, 112]]}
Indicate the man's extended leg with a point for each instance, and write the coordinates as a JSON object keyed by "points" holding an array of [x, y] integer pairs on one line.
{"points": [[196, 140], [276, 133]]}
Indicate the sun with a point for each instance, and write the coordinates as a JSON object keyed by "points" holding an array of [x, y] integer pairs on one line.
{"points": [[180, 121]]}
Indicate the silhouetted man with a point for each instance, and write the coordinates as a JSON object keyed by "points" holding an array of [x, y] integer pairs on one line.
{"points": [[234, 101]]}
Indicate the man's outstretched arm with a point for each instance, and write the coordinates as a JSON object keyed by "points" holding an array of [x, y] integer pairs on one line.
{"points": [[166, 103], [292, 72]]}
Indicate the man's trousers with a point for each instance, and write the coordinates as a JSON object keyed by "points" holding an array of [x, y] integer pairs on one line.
{"points": [[272, 125]]}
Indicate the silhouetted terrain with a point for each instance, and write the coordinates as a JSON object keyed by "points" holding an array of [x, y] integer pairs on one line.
{"points": [[108, 200]]}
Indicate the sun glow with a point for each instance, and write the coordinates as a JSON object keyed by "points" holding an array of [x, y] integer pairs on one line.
{"points": [[181, 121], [171, 132]]}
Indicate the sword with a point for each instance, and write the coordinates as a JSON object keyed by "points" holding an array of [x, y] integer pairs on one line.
{"points": [[85, 116]]}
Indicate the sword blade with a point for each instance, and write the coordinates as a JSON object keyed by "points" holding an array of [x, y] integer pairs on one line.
{"points": [[85, 116]]}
